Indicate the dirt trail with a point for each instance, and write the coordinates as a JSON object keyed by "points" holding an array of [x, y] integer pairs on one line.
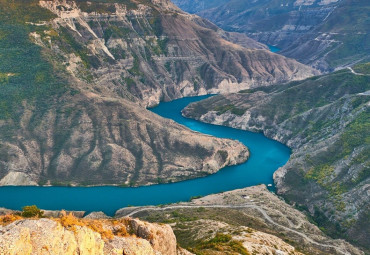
{"points": [[253, 206]]}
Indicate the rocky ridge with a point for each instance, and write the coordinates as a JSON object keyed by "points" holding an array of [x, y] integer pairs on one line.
{"points": [[323, 34]]}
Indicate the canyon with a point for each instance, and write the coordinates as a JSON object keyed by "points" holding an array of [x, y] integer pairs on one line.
{"points": [[80, 118], [77, 77], [327, 35]]}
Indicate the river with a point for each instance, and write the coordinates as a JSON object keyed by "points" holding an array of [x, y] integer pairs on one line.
{"points": [[274, 48], [266, 157]]}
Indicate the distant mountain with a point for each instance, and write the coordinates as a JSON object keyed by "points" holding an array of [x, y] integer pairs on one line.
{"points": [[75, 78], [326, 122], [198, 5], [325, 34]]}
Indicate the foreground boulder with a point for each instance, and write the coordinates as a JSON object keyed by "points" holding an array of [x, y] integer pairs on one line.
{"points": [[70, 235]]}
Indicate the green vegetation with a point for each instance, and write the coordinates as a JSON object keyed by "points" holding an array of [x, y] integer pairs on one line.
{"points": [[310, 94], [25, 72], [225, 108], [69, 42], [4, 78], [329, 113], [223, 154], [222, 243], [130, 83], [115, 31], [362, 68], [187, 231], [31, 211], [349, 24], [135, 70]]}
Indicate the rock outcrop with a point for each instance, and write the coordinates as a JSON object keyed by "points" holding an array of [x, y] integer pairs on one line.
{"points": [[42, 236]]}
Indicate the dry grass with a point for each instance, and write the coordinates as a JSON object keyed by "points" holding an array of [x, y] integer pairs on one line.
{"points": [[106, 228], [9, 218]]}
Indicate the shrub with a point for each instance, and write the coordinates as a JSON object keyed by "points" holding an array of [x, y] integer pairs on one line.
{"points": [[31, 211]]}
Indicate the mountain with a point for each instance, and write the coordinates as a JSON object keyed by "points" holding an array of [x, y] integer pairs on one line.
{"points": [[325, 120], [156, 52], [326, 34], [75, 78]]}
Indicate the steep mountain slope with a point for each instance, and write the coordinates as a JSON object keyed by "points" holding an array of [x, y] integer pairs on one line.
{"points": [[325, 34], [325, 120], [261, 221], [75, 77], [157, 52]]}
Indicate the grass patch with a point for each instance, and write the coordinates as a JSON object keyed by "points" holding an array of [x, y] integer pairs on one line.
{"points": [[362, 68], [221, 243], [225, 108]]}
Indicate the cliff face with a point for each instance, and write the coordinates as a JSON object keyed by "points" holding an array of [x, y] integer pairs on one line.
{"points": [[323, 34], [49, 236], [76, 77], [325, 120], [156, 52]]}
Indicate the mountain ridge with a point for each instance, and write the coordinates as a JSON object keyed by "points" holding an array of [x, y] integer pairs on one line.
{"points": [[327, 35]]}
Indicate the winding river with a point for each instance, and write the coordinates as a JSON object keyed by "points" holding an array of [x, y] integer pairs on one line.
{"points": [[266, 157]]}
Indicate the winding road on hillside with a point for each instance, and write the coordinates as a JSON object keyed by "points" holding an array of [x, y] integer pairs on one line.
{"points": [[242, 206], [355, 73]]}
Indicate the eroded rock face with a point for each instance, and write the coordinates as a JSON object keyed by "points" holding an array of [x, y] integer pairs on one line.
{"points": [[129, 246], [48, 236], [156, 52], [39, 236], [161, 237]]}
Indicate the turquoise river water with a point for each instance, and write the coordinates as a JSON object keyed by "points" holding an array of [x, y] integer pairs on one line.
{"points": [[273, 48], [266, 157]]}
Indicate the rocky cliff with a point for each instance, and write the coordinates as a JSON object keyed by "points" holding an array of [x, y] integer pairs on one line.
{"points": [[75, 78], [325, 120], [323, 34], [69, 235]]}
